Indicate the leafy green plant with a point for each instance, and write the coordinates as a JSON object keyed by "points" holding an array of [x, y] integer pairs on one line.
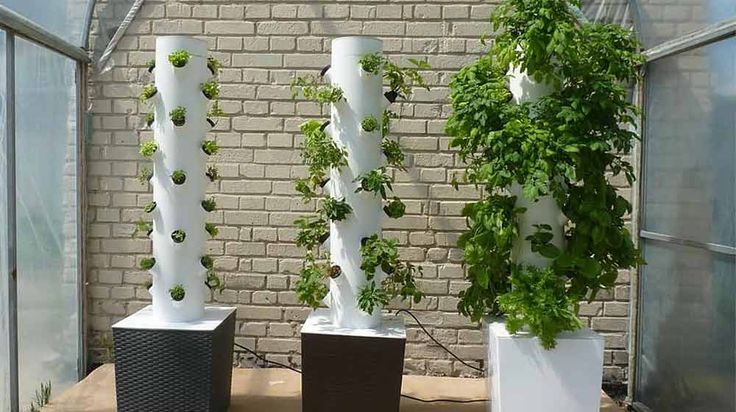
{"points": [[313, 231], [148, 92], [311, 88], [145, 175], [400, 80], [149, 207], [211, 229], [393, 153], [207, 262], [149, 118], [214, 65], [148, 148], [214, 282], [211, 89], [325, 156], [215, 110], [150, 65], [42, 397], [147, 263], [376, 181], [321, 154], [212, 173], [178, 177], [178, 116], [141, 226], [335, 209], [178, 236], [311, 288], [179, 58], [209, 204], [177, 293], [210, 147], [369, 124], [561, 145], [395, 209]]}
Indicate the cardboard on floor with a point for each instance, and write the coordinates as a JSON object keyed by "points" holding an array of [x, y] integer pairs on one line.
{"points": [[279, 390]]}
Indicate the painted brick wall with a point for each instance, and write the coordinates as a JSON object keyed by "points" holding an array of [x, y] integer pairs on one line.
{"points": [[262, 45]]}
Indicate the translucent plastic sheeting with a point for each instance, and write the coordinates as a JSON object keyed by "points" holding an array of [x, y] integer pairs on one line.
{"points": [[4, 355], [690, 145], [687, 321], [64, 18], [46, 165], [686, 351], [112, 20], [661, 20], [608, 11]]}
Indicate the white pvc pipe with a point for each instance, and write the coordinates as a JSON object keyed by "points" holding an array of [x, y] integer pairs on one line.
{"points": [[363, 94], [545, 209], [178, 207]]}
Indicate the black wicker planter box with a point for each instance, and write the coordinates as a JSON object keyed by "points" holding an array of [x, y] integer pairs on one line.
{"points": [[351, 370], [174, 366]]}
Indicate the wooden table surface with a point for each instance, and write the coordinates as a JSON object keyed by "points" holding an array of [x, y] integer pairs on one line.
{"points": [[279, 390]]}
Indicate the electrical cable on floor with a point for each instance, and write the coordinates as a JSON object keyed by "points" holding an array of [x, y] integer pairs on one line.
{"points": [[437, 342], [252, 352]]}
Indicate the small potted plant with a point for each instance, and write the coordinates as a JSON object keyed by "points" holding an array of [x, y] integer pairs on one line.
{"points": [[178, 116], [211, 89], [179, 58]]}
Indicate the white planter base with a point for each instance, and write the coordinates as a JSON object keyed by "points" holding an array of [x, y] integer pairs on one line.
{"points": [[524, 377]]}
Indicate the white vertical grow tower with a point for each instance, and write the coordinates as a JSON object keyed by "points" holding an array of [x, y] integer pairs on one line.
{"points": [[363, 97], [178, 206], [568, 377], [151, 344]]}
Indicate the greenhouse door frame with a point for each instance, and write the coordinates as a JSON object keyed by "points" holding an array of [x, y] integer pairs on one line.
{"points": [[695, 40], [16, 26]]}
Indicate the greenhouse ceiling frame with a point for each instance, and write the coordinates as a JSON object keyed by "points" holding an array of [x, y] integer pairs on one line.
{"points": [[700, 38], [16, 26]]}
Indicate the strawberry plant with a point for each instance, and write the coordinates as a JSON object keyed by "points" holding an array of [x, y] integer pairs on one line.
{"points": [[177, 293], [211, 229], [178, 236], [148, 148], [210, 89], [148, 92], [210, 147], [147, 263], [209, 205], [178, 177]]}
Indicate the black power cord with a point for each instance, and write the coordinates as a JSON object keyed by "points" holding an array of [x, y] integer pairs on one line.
{"points": [[252, 352], [437, 342]]}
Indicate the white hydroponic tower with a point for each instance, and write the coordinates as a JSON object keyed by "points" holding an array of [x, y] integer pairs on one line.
{"points": [[363, 97], [179, 206], [545, 209]]}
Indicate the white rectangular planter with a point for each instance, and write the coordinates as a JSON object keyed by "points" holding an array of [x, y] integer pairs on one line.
{"points": [[524, 377]]}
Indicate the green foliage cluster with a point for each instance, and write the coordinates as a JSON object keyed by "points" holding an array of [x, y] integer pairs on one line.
{"points": [[149, 91], [212, 173], [178, 177], [149, 118], [214, 65], [211, 229], [369, 124], [400, 80], [149, 207], [312, 89], [210, 147], [41, 397], [141, 226], [177, 293], [147, 263], [148, 148], [211, 89], [178, 236], [178, 116], [322, 155], [377, 253], [209, 205], [179, 58], [145, 175], [562, 145]]}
